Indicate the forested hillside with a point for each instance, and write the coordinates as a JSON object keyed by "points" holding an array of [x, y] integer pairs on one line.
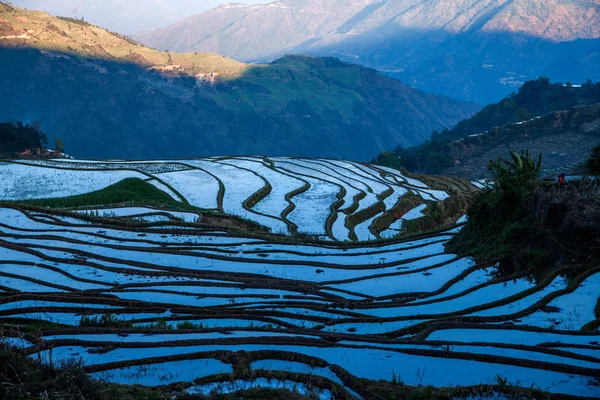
{"points": [[531, 117]]}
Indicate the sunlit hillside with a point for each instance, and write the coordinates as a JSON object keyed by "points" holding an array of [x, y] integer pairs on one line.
{"points": [[36, 29]]}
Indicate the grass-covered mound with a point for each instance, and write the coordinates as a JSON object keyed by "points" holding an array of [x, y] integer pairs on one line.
{"points": [[529, 225], [135, 192], [130, 191]]}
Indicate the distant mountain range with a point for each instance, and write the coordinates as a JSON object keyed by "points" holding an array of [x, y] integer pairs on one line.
{"points": [[107, 96], [123, 16], [477, 50]]}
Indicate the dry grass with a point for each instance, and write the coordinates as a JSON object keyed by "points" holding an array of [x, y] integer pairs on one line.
{"points": [[42, 31]]}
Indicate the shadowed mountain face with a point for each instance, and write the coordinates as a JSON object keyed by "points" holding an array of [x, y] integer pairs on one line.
{"points": [[565, 138], [107, 96], [476, 50], [562, 122]]}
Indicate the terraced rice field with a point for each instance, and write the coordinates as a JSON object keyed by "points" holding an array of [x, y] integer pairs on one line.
{"points": [[325, 199], [166, 303]]}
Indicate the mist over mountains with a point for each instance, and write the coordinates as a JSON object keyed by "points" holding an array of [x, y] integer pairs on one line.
{"points": [[125, 16], [472, 50]]}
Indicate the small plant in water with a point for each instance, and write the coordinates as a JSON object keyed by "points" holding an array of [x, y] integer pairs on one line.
{"points": [[501, 381], [186, 325], [104, 320]]}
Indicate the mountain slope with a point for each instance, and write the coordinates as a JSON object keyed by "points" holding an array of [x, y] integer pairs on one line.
{"points": [[259, 31], [35, 29], [561, 122], [110, 97], [472, 49], [564, 138]]}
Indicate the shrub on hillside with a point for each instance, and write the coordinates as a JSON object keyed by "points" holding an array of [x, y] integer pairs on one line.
{"points": [[104, 321], [592, 165], [27, 378], [496, 218], [530, 225], [513, 180], [388, 159], [16, 137]]}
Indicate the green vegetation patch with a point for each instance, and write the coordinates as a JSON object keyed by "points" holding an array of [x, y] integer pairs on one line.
{"points": [[530, 226], [592, 165], [16, 138], [300, 83], [130, 190], [105, 321]]}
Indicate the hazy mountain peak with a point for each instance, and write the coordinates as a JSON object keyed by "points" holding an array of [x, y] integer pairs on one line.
{"points": [[453, 47], [124, 16], [555, 20]]}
